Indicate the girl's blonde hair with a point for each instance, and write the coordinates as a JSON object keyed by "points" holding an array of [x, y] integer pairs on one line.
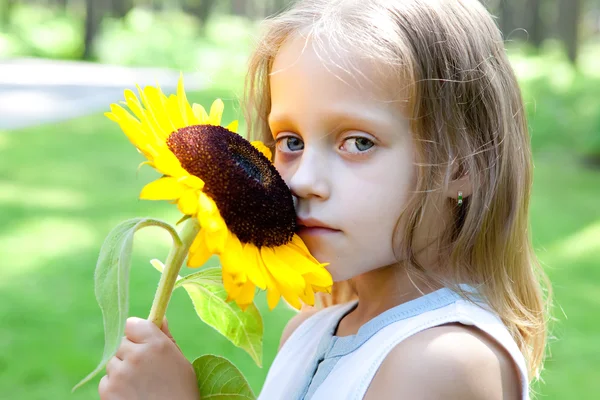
{"points": [[467, 117]]}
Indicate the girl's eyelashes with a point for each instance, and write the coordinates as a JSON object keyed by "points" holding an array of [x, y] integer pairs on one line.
{"points": [[356, 144], [289, 144], [351, 145]]}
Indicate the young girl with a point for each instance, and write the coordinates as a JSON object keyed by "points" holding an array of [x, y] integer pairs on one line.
{"points": [[400, 129]]}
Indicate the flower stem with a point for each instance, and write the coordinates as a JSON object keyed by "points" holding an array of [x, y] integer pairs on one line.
{"points": [[173, 264]]}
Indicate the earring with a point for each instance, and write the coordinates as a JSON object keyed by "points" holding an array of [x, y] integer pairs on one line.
{"points": [[460, 198]]}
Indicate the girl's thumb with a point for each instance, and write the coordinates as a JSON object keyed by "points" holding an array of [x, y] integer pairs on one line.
{"points": [[165, 329]]}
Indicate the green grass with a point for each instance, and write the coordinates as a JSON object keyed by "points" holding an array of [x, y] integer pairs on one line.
{"points": [[64, 186]]}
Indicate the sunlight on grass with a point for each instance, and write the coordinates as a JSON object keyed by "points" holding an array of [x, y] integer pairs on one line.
{"points": [[32, 243], [41, 197], [584, 243], [4, 140]]}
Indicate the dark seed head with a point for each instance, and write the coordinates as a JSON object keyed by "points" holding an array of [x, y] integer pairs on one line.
{"points": [[253, 199]]}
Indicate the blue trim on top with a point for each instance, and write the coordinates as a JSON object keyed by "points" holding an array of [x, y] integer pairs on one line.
{"points": [[431, 301]]}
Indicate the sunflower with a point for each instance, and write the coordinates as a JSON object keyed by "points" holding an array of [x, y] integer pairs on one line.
{"points": [[230, 185]]}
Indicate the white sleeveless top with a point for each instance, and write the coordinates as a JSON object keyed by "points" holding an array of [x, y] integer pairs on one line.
{"points": [[314, 364]]}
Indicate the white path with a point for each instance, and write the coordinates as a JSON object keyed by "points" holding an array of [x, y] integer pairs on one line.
{"points": [[38, 91]]}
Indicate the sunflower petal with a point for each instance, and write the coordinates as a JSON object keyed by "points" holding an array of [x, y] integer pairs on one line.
{"points": [[233, 126], [188, 202], [246, 295], [308, 297], [255, 267], [232, 287], [232, 257], [216, 112], [198, 253], [184, 106], [200, 113], [166, 188], [292, 298], [192, 181], [260, 146], [284, 275], [319, 277], [273, 297]]}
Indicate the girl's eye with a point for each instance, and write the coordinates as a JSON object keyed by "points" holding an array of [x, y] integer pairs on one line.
{"points": [[289, 144], [357, 144]]}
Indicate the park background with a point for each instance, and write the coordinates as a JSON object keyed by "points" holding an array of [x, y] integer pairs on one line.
{"points": [[67, 178]]}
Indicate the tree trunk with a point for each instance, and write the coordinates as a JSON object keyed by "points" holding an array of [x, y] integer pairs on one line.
{"points": [[277, 6], [535, 26], [6, 7], [201, 9], [238, 7], [507, 15], [569, 14], [120, 8], [93, 17]]}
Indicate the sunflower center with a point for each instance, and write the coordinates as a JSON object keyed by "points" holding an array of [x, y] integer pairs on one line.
{"points": [[251, 169], [253, 199]]}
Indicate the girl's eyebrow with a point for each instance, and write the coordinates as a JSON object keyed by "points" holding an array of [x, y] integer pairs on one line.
{"points": [[373, 118]]}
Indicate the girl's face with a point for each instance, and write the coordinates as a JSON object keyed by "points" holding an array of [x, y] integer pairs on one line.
{"points": [[347, 155]]}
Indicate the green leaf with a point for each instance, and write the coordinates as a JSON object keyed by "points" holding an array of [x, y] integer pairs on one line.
{"points": [[219, 379], [111, 281], [243, 328]]}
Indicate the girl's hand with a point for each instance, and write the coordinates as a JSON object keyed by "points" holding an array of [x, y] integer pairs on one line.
{"points": [[148, 365]]}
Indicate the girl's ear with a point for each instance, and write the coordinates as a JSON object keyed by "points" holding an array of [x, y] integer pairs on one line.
{"points": [[462, 184]]}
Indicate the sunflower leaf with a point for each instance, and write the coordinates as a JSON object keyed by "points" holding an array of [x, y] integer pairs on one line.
{"points": [[219, 378], [243, 328], [111, 281]]}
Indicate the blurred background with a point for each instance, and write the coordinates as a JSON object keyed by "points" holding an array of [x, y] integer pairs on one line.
{"points": [[68, 174]]}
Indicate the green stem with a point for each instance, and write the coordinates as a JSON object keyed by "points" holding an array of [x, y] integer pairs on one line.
{"points": [[172, 266]]}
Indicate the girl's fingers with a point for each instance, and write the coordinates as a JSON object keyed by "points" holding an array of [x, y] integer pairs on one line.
{"points": [[124, 349], [112, 365], [103, 388], [140, 330], [165, 329]]}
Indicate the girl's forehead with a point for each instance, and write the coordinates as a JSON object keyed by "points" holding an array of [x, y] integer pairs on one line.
{"points": [[309, 56]]}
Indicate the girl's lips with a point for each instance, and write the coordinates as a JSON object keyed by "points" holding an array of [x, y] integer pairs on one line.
{"points": [[316, 230]]}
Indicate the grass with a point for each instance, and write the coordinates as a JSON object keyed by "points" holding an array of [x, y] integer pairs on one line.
{"points": [[64, 186]]}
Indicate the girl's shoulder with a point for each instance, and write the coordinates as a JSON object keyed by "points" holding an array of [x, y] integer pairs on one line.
{"points": [[450, 361], [295, 322]]}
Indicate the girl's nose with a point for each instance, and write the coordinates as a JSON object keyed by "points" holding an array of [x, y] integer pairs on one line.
{"points": [[311, 177]]}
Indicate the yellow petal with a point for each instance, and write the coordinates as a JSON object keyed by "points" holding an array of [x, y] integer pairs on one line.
{"points": [[246, 295], [184, 105], [273, 297], [232, 257], [188, 202], [319, 277], [201, 114], [198, 254], [263, 149], [255, 268], [232, 287], [166, 188], [233, 126], [285, 276], [174, 112], [308, 297], [192, 181], [216, 112], [133, 103], [168, 164], [292, 298]]}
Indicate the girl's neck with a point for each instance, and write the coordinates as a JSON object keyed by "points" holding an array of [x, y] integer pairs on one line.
{"points": [[378, 291]]}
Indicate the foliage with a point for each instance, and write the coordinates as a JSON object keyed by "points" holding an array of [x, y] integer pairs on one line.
{"points": [[562, 101]]}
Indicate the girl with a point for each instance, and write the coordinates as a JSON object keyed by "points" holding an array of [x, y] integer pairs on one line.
{"points": [[400, 129]]}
